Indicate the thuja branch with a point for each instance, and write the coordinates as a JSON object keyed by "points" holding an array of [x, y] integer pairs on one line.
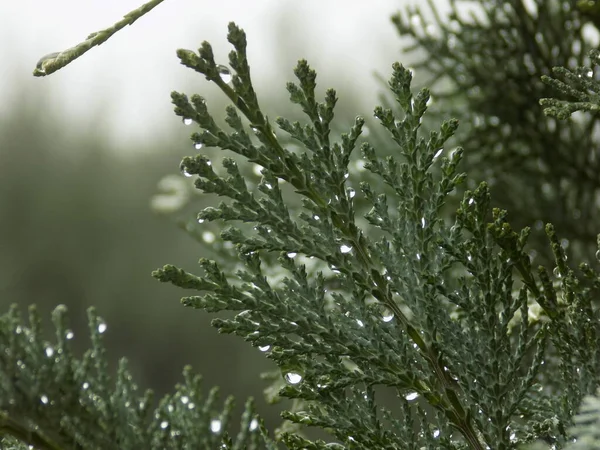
{"points": [[54, 61], [445, 396]]}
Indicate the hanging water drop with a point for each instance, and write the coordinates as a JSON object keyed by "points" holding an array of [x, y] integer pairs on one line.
{"points": [[200, 220], [293, 377], [556, 272], [102, 328], [318, 218], [215, 425], [184, 171], [224, 73], [411, 396], [345, 249], [198, 145], [49, 351], [292, 254], [253, 425], [69, 335], [44, 399], [436, 434], [187, 121], [351, 192], [387, 315], [164, 424], [264, 348], [185, 399]]}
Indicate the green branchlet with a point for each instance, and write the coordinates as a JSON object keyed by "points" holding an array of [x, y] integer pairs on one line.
{"points": [[427, 310], [50, 399]]}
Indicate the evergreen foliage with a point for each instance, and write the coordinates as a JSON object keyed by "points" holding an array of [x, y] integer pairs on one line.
{"points": [[410, 329]]}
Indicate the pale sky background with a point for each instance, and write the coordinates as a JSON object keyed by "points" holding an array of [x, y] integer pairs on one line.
{"points": [[130, 76]]}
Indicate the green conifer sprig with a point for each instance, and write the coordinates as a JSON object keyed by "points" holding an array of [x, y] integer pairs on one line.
{"points": [[484, 61], [431, 309], [50, 399], [579, 84]]}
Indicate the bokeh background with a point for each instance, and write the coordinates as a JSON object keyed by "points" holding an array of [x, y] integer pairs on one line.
{"points": [[82, 152]]}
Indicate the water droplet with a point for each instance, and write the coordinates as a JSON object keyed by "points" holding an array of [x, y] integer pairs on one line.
{"points": [[556, 272], [351, 192], [198, 145], [185, 399], [345, 249], [170, 408], [44, 399], [471, 201], [264, 348], [102, 328], [423, 222], [164, 424], [209, 163], [191, 405], [346, 176], [268, 185], [316, 217], [69, 334], [208, 237], [411, 396], [387, 315], [85, 385], [293, 377], [360, 323], [436, 433], [19, 329], [201, 220], [184, 171], [253, 425], [215, 425], [438, 153], [291, 254], [46, 58], [49, 351], [224, 73], [187, 121]]}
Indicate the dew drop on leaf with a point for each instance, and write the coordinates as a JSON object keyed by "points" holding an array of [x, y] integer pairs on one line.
{"points": [[264, 348], [102, 328], [69, 334], [185, 399], [411, 396], [293, 377], [224, 73], [198, 145], [49, 351], [291, 254], [253, 425], [164, 424], [345, 249], [387, 315], [187, 121]]}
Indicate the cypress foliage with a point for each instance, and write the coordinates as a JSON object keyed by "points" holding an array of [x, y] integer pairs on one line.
{"points": [[393, 323]]}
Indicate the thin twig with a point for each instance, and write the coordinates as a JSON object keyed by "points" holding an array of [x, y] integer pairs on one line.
{"points": [[54, 61]]}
